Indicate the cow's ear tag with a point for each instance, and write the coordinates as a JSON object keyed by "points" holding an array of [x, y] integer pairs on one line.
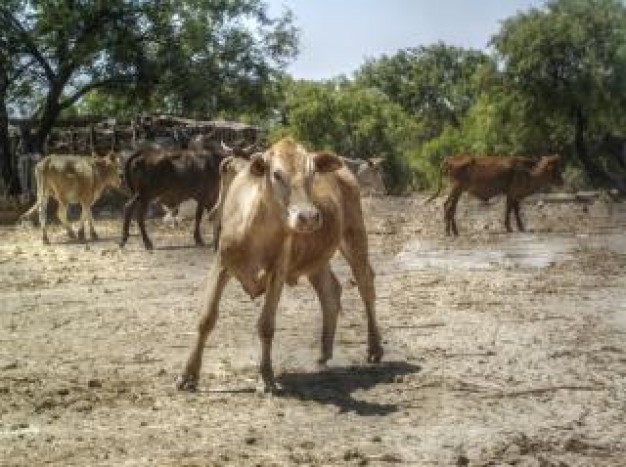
{"points": [[326, 162], [257, 165]]}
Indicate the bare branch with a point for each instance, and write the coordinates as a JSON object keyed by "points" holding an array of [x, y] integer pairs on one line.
{"points": [[10, 22]]}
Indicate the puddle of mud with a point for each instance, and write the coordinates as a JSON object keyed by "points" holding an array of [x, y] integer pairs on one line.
{"points": [[518, 250], [514, 251]]}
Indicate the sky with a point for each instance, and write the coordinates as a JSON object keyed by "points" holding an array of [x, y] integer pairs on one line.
{"points": [[337, 36]]}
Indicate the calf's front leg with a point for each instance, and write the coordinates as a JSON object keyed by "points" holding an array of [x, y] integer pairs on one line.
{"points": [[328, 291], [354, 249], [129, 209], [507, 214], [142, 210], [196, 231], [62, 215], [218, 278], [518, 218], [266, 327]]}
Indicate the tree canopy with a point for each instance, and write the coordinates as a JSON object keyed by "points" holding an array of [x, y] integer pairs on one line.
{"points": [[172, 56], [553, 80], [435, 84], [567, 64], [354, 121]]}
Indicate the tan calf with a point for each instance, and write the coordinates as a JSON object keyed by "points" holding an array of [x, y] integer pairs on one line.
{"points": [[284, 215], [73, 179]]}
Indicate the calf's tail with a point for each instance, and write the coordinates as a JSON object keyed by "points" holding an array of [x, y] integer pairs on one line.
{"points": [[128, 169], [40, 191], [442, 168]]}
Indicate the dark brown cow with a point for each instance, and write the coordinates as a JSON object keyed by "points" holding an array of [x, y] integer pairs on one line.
{"points": [[171, 177], [486, 177], [284, 215]]}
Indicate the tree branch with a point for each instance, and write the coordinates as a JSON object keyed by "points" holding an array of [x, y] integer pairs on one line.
{"points": [[71, 100], [10, 22]]}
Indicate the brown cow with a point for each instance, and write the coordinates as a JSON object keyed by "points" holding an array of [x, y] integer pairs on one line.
{"points": [[486, 177], [73, 179], [201, 143], [285, 214], [171, 176]]}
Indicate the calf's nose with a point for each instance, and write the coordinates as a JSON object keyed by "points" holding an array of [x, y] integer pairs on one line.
{"points": [[306, 219]]}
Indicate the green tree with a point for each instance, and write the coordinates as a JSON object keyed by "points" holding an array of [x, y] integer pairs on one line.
{"points": [[566, 63], [354, 121], [221, 58], [162, 55], [74, 47], [436, 84]]}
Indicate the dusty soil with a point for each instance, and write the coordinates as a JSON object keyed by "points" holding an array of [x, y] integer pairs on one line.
{"points": [[500, 349]]}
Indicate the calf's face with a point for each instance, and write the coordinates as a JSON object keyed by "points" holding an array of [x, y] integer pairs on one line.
{"points": [[109, 169], [552, 166], [289, 178], [370, 176]]}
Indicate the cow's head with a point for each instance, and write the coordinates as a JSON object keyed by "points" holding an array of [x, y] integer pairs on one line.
{"points": [[238, 150], [370, 176], [551, 168], [288, 172], [108, 168]]}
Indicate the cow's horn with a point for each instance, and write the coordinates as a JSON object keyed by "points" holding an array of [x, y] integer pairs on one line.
{"points": [[249, 149]]}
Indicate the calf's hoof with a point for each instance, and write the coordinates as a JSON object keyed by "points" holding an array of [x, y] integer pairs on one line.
{"points": [[45, 241], [94, 235], [322, 361], [374, 353], [187, 383], [268, 388]]}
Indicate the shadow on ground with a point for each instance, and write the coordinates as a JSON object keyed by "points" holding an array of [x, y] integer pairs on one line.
{"points": [[335, 386]]}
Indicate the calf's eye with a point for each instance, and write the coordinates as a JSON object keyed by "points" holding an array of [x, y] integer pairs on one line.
{"points": [[278, 177]]}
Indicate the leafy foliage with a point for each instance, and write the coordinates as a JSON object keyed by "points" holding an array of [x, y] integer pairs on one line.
{"points": [[555, 81], [193, 55], [566, 64], [353, 121], [434, 84]]}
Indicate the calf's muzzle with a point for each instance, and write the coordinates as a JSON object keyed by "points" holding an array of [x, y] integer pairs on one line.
{"points": [[303, 219]]}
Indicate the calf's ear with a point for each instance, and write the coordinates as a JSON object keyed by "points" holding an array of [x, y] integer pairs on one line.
{"points": [[376, 161], [258, 166], [326, 162]]}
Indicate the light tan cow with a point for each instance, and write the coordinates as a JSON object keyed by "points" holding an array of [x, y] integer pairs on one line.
{"points": [[369, 173], [284, 215], [72, 179]]}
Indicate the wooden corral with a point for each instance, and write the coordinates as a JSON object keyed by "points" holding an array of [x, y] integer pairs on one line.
{"points": [[85, 135]]}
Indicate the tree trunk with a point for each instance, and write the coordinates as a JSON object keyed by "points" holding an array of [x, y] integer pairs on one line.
{"points": [[7, 164], [594, 172], [48, 118]]}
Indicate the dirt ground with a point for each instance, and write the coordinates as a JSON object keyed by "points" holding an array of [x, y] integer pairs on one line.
{"points": [[500, 349]]}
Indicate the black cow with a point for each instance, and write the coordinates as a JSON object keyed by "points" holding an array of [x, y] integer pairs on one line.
{"points": [[171, 176]]}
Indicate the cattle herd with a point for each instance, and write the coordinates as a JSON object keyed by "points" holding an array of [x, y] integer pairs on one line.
{"points": [[278, 215]]}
